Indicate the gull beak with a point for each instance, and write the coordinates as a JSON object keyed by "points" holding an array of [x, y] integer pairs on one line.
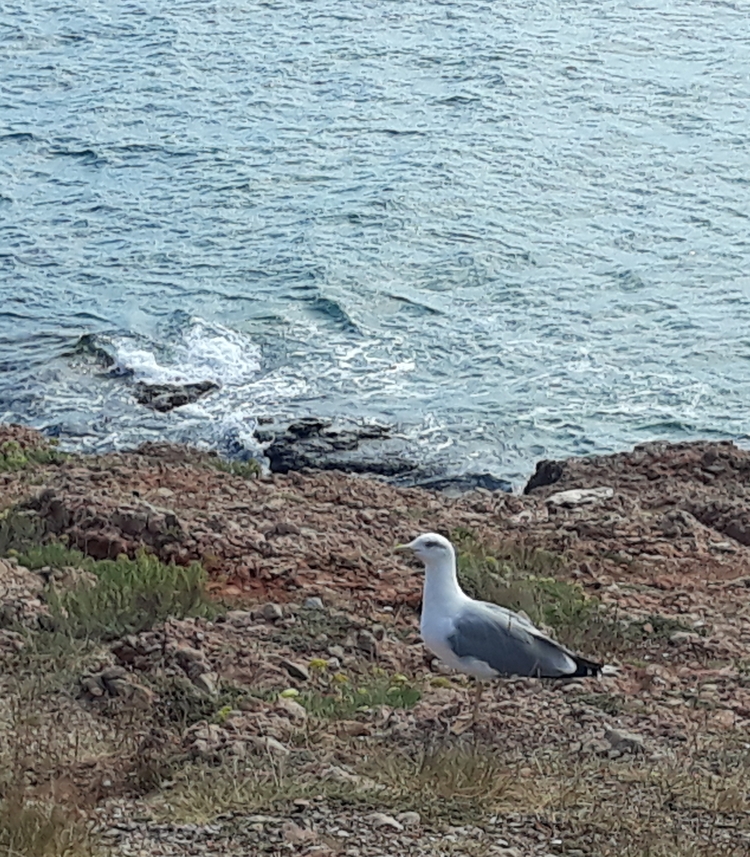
{"points": [[402, 548]]}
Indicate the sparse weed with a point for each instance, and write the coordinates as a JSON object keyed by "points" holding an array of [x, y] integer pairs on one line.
{"points": [[180, 704], [522, 579], [43, 829], [340, 698], [249, 469], [528, 580]]}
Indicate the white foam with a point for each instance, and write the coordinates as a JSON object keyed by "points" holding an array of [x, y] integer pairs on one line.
{"points": [[206, 352]]}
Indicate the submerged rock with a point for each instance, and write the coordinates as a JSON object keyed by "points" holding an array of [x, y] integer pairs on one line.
{"points": [[167, 397], [363, 448], [453, 486]]}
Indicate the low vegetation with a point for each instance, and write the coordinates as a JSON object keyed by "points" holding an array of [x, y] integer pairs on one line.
{"points": [[62, 754], [340, 697], [248, 469], [14, 456], [43, 829], [116, 597]]}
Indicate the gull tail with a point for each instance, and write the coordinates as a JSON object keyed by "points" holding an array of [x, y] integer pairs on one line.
{"points": [[585, 667]]}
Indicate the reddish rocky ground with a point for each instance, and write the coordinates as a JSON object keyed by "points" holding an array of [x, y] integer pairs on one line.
{"points": [[653, 760]]}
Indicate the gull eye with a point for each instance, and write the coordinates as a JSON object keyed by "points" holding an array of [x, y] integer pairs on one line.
{"points": [[432, 544]]}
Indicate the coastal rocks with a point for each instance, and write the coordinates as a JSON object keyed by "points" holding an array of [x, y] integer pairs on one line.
{"points": [[689, 464], [167, 397], [319, 445], [454, 486], [20, 591], [363, 448], [106, 533]]}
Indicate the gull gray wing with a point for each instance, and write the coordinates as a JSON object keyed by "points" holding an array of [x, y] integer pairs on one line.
{"points": [[511, 645]]}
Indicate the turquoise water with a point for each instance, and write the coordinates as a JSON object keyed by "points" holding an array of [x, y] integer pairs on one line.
{"points": [[514, 230]]}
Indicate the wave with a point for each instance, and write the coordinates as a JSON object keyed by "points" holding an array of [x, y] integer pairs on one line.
{"points": [[200, 351]]}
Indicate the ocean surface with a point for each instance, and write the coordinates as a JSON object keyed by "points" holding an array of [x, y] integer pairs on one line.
{"points": [[513, 230]]}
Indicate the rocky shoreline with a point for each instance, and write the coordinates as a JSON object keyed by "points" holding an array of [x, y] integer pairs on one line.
{"points": [[642, 558]]}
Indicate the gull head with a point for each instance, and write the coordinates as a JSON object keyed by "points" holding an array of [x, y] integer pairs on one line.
{"points": [[431, 548]]}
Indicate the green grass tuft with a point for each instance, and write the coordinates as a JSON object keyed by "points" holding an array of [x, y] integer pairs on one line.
{"points": [[128, 596], [342, 699], [20, 530], [249, 469], [524, 579], [15, 457]]}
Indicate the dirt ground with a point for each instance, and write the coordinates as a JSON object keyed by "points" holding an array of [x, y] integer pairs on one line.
{"points": [[289, 707]]}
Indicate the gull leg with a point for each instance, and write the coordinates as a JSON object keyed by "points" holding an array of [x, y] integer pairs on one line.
{"points": [[460, 728], [477, 697]]}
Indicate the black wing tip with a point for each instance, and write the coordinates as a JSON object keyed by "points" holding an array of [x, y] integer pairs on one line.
{"points": [[585, 669]]}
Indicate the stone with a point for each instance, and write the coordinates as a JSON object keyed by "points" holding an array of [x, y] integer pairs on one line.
{"points": [[351, 447], [192, 661], [455, 486], [295, 712], [679, 637], [625, 742], [547, 473], [353, 728], [268, 745], [239, 618], [167, 397], [580, 496], [271, 612], [296, 835], [382, 820], [296, 670], [409, 819], [93, 686], [367, 643], [207, 683], [314, 603]]}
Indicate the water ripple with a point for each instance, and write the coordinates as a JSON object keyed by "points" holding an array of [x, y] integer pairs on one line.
{"points": [[517, 229]]}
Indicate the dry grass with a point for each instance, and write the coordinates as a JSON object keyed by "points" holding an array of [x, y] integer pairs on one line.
{"points": [[603, 807], [43, 829], [689, 798]]}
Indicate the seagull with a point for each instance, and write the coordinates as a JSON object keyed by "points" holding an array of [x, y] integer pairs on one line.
{"points": [[480, 639]]}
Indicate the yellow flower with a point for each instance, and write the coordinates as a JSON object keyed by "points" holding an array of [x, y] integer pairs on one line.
{"points": [[340, 678], [318, 664], [289, 693]]}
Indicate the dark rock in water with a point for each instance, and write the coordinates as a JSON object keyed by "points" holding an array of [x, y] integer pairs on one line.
{"points": [[166, 397], [318, 444], [455, 485], [547, 473], [88, 344], [365, 448]]}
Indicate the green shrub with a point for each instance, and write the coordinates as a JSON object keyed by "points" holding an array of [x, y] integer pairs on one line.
{"points": [[128, 596], [249, 469], [20, 530], [15, 457]]}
